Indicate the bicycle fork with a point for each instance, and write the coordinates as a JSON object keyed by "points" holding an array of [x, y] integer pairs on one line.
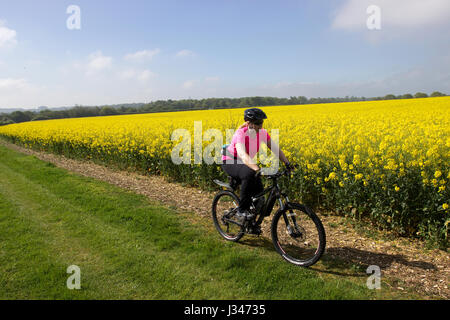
{"points": [[293, 231]]}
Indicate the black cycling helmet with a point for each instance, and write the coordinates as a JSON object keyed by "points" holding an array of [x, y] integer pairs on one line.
{"points": [[254, 114]]}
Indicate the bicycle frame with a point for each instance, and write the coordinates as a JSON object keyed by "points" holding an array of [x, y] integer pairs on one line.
{"points": [[275, 194]]}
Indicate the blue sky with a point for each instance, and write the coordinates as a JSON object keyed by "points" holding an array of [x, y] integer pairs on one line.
{"points": [[140, 51]]}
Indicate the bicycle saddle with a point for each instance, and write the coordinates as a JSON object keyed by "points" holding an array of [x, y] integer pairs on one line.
{"points": [[232, 184]]}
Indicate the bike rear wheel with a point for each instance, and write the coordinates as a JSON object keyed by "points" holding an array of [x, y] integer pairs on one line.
{"points": [[224, 208], [298, 235]]}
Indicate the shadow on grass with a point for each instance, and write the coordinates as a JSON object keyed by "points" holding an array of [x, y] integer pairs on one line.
{"points": [[346, 261], [255, 241], [358, 261]]}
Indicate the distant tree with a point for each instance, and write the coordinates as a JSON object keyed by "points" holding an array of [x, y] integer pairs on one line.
{"points": [[244, 102], [4, 120], [420, 95], [187, 104], [107, 111], [437, 94], [19, 116], [299, 100], [40, 117]]}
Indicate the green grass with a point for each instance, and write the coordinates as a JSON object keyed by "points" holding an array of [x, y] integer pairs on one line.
{"points": [[128, 247]]}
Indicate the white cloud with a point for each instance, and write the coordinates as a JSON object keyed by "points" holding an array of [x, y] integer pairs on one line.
{"points": [[98, 62], [185, 53], [127, 74], [14, 91], [395, 14], [11, 84], [212, 79], [145, 75], [188, 84], [7, 36], [429, 77], [143, 55], [141, 75]]}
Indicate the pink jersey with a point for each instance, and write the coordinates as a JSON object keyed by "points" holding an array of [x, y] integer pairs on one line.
{"points": [[251, 144]]}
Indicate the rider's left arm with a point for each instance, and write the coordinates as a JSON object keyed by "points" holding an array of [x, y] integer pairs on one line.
{"points": [[276, 149]]}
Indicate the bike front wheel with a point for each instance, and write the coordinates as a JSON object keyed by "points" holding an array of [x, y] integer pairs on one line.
{"points": [[298, 235], [224, 208]]}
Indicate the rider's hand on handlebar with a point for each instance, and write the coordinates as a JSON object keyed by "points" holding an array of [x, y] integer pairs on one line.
{"points": [[289, 166]]}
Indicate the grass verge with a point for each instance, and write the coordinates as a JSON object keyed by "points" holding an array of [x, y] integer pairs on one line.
{"points": [[128, 247]]}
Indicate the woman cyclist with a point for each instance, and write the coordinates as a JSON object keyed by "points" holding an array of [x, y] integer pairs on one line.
{"points": [[237, 160]]}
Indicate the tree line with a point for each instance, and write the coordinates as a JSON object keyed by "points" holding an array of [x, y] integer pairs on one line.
{"points": [[186, 105]]}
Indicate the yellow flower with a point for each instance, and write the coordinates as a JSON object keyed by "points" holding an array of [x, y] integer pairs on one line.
{"points": [[445, 206], [379, 139], [356, 160], [332, 176]]}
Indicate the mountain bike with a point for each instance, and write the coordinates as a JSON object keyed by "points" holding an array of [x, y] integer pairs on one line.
{"points": [[297, 232]]}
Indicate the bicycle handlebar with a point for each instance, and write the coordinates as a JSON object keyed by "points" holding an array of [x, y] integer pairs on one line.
{"points": [[278, 174]]}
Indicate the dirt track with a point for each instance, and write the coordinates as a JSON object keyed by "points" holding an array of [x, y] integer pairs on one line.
{"points": [[405, 262]]}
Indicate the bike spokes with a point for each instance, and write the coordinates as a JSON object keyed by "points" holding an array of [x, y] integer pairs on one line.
{"points": [[224, 214], [299, 236]]}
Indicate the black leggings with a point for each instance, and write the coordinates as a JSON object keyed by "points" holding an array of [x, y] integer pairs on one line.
{"points": [[250, 186]]}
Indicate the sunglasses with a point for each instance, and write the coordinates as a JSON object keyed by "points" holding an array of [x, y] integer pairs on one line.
{"points": [[258, 122]]}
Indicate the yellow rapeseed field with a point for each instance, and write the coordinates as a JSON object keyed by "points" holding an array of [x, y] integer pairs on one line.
{"points": [[388, 160]]}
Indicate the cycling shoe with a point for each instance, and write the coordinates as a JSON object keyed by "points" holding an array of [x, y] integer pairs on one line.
{"points": [[245, 215]]}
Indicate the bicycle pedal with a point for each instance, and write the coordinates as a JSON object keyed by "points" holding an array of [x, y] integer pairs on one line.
{"points": [[255, 232]]}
